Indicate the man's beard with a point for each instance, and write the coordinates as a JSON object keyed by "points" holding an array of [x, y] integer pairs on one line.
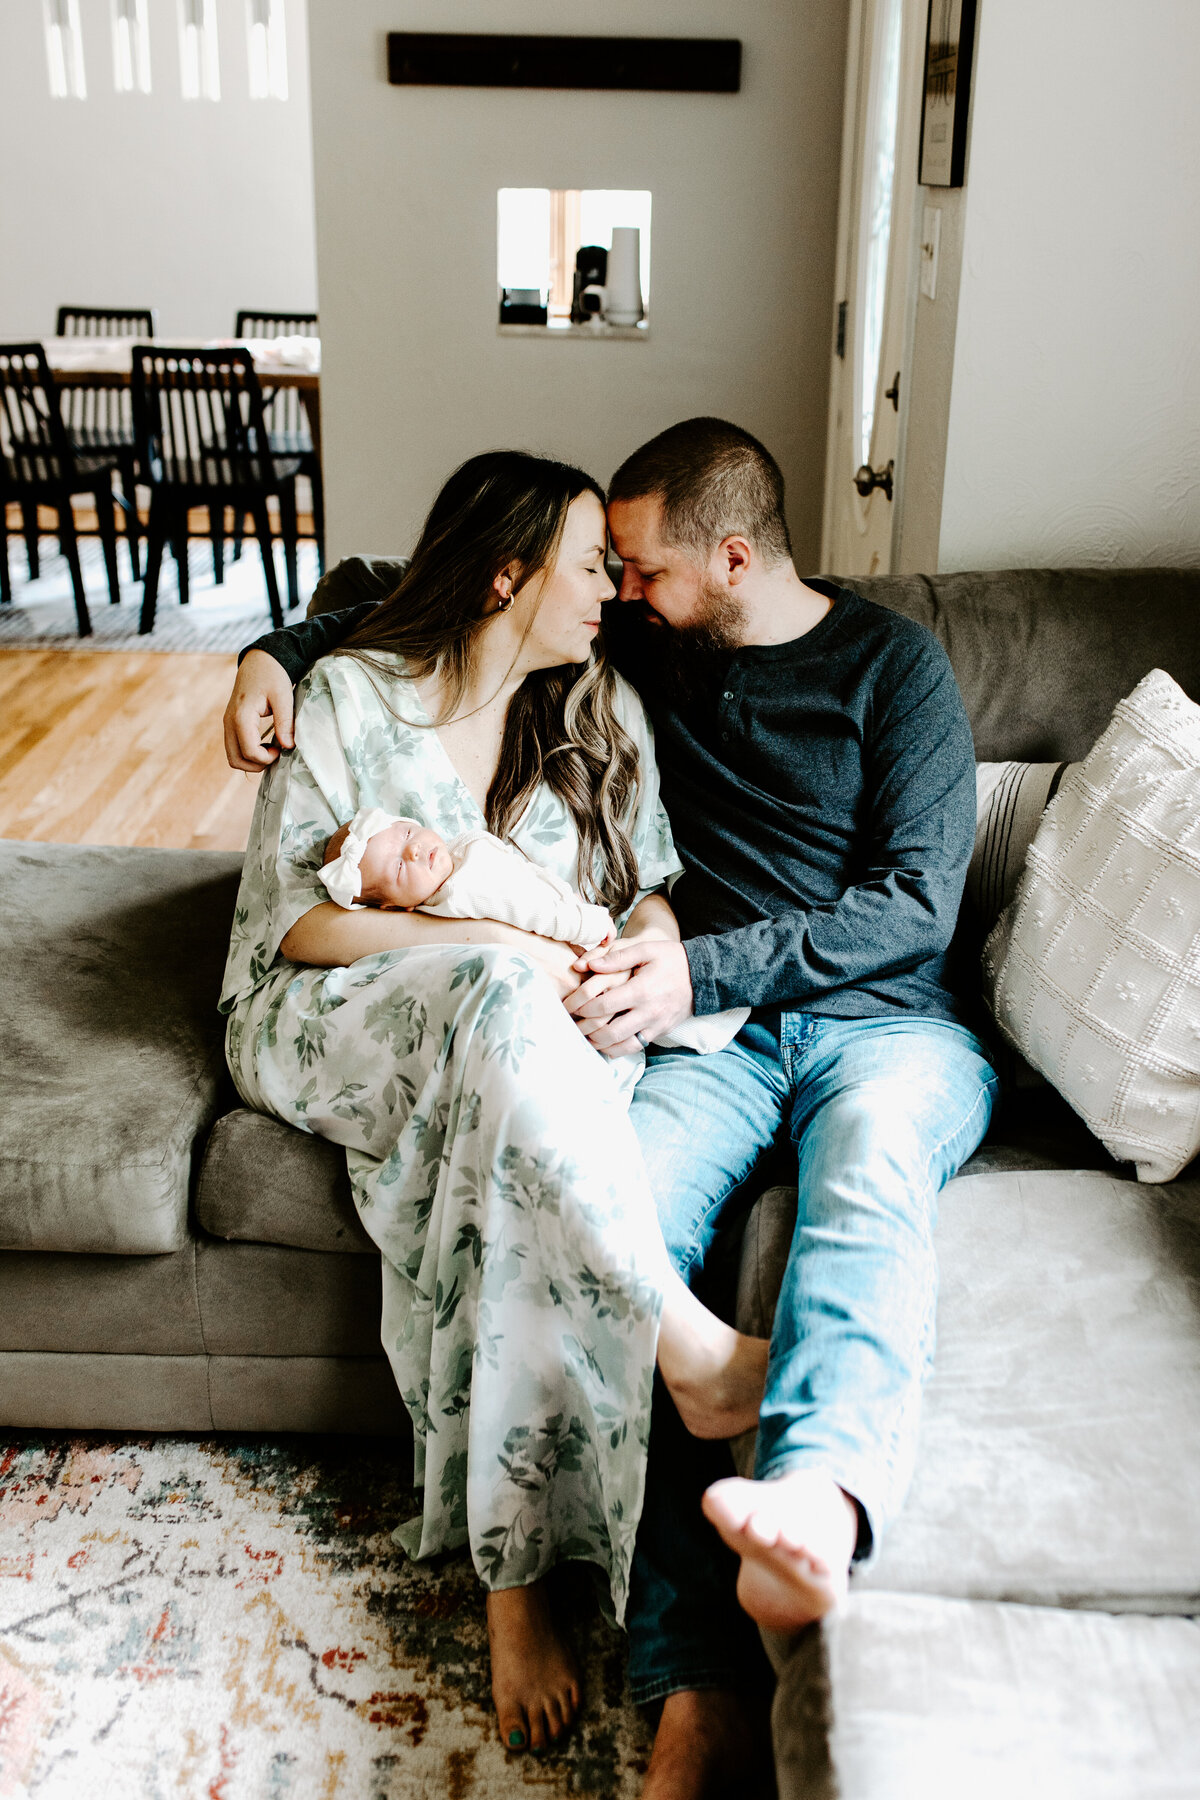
{"points": [[692, 659]]}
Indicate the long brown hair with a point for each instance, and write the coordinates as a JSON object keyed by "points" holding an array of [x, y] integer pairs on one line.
{"points": [[500, 509]]}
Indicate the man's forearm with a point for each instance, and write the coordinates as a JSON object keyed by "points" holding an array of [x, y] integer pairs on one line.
{"points": [[297, 647], [875, 931]]}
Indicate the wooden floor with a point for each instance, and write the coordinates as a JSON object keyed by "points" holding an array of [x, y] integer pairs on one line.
{"points": [[119, 747]]}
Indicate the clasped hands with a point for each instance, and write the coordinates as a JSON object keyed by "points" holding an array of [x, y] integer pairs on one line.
{"points": [[640, 985]]}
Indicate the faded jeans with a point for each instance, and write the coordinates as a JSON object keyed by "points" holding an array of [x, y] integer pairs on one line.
{"points": [[880, 1113]]}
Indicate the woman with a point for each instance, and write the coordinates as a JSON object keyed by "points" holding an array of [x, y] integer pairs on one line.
{"points": [[526, 1289]]}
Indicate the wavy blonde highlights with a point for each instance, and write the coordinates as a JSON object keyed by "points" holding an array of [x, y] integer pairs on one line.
{"points": [[561, 727]]}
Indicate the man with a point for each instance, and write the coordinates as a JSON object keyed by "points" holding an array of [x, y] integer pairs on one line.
{"points": [[818, 772]]}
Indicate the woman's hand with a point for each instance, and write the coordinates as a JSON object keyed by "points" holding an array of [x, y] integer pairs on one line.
{"points": [[584, 1004], [556, 959], [600, 1018]]}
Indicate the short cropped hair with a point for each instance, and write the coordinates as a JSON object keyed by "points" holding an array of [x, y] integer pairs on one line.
{"points": [[715, 481]]}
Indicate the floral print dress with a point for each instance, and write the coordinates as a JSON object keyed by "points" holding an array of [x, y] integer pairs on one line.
{"points": [[490, 1152]]}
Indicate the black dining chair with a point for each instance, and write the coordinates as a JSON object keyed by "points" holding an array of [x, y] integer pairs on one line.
{"points": [[287, 420], [107, 322], [98, 415], [202, 441], [40, 466]]}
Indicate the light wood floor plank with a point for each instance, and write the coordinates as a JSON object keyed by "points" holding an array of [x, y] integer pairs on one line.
{"points": [[119, 747]]}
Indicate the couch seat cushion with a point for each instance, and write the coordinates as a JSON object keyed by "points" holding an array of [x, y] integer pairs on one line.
{"points": [[1059, 1461], [264, 1182], [111, 1060], [930, 1699]]}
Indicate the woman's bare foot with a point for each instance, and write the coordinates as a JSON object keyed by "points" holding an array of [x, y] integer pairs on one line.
{"points": [[714, 1374], [535, 1680], [711, 1745], [795, 1536]]}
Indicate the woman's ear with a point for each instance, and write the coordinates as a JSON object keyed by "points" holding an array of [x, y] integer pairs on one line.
{"points": [[503, 585]]}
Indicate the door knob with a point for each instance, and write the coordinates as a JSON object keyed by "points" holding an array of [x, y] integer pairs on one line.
{"points": [[868, 479]]}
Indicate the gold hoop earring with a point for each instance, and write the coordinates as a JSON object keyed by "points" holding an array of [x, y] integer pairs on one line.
{"points": [[504, 603]]}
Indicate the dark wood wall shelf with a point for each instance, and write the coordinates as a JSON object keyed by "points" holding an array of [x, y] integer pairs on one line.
{"points": [[477, 59]]}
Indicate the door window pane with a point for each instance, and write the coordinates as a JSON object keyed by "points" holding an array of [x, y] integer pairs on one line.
{"points": [[879, 169]]}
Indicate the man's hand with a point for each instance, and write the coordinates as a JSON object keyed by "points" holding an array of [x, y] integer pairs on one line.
{"points": [[657, 994], [261, 698]]}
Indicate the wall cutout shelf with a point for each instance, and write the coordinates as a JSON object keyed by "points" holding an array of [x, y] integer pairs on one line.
{"points": [[478, 59], [564, 330]]}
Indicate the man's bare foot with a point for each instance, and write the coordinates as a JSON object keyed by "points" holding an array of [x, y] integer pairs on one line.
{"points": [[535, 1680], [711, 1745], [795, 1536], [714, 1374]]}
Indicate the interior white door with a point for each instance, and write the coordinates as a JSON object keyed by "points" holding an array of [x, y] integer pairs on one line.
{"points": [[876, 274]]}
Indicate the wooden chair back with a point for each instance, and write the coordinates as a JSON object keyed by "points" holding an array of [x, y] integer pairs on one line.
{"points": [[35, 450], [199, 420], [286, 418], [106, 321]]}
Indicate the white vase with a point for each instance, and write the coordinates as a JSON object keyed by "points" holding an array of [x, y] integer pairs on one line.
{"points": [[624, 282]]}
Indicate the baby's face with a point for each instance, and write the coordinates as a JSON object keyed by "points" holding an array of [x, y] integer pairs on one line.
{"points": [[404, 866]]}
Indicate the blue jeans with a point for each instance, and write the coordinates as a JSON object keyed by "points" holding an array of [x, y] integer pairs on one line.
{"points": [[875, 1116]]}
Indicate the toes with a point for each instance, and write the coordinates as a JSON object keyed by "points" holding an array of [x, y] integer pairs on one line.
{"points": [[762, 1530], [514, 1729], [539, 1735], [730, 1502], [561, 1716], [801, 1551]]}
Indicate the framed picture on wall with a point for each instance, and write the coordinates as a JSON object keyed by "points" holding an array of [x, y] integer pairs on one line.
{"points": [[949, 43]]}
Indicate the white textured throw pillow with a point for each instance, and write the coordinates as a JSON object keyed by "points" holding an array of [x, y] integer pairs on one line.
{"points": [[1093, 972]]}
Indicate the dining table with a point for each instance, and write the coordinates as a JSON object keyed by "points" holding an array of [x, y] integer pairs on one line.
{"points": [[283, 362]]}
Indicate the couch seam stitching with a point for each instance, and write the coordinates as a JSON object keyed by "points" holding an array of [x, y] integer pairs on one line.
{"points": [[195, 1243]]}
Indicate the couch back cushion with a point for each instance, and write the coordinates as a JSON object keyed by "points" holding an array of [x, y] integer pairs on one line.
{"points": [[1043, 655], [111, 1058]]}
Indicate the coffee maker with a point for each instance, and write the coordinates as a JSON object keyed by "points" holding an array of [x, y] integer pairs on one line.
{"points": [[587, 291]]}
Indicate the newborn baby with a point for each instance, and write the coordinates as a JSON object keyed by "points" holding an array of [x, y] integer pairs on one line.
{"points": [[401, 865]]}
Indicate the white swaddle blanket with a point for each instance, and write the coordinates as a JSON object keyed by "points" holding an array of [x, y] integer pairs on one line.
{"points": [[494, 880]]}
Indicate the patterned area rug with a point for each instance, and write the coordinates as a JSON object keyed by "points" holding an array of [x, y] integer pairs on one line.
{"points": [[42, 612], [228, 1619]]}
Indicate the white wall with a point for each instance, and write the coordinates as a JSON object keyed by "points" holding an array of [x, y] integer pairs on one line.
{"points": [[195, 207], [1074, 434], [745, 197], [931, 369]]}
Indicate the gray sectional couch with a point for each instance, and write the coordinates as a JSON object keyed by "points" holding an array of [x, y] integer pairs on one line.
{"points": [[171, 1261]]}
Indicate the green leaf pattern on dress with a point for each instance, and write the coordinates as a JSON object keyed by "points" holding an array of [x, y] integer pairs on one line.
{"points": [[489, 1150]]}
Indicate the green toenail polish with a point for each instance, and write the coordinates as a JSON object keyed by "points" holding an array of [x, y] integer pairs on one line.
{"points": [[516, 1739]]}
